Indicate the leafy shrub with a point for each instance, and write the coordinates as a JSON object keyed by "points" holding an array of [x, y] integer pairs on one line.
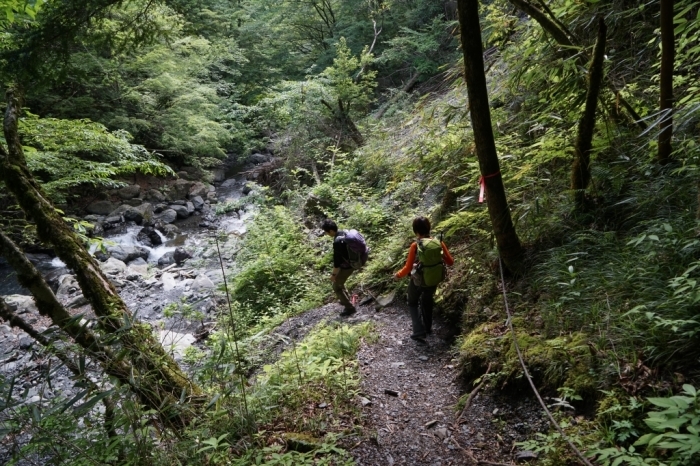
{"points": [[277, 268]]}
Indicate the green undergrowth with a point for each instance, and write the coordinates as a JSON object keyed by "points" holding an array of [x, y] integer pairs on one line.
{"points": [[296, 411]]}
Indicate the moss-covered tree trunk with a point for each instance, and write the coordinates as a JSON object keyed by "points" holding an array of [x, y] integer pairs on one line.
{"points": [[668, 56], [581, 170], [506, 238], [160, 376]]}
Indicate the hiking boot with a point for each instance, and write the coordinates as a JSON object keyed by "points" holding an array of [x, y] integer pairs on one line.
{"points": [[420, 340], [348, 311]]}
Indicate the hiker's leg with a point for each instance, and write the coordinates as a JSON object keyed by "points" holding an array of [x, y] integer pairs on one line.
{"points": [[339, 288], [427, 304], [414, 293]]}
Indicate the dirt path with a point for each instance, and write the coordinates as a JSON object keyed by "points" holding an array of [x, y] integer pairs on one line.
{"points": [[415, 424]]}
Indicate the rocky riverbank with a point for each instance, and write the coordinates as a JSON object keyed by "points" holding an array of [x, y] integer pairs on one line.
{"points": [[159, 248]]}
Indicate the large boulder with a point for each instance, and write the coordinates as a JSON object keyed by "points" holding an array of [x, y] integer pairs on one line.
{"points": [[148, 236], [129, 192], [258, 158], [202, 282], [170, 231], [119, 211], [100, 207], [145, 210], [197, 202], [21, 304], [180, 210], [180, 255], [155, 195], [127, 253], [113, 266], [67, 286], [180, 188], [167, 258], [198, 189], [167, 216]]}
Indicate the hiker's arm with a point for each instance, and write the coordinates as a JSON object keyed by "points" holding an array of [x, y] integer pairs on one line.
{"points": [[446, 257], [409, 263]]}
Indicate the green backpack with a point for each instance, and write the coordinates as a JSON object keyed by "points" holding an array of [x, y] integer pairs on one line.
{"points": [[430, 264]]}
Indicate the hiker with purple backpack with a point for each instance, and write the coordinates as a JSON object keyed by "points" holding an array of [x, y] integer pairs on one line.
{"points": [[349, 254]]}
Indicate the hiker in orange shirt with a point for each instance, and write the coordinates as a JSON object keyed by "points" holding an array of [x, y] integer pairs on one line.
{"points": [[426, 262]]}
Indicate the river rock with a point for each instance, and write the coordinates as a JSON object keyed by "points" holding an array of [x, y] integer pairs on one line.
{"points": [[248, 187], [129, 192], [169, 230], [168, 216], [155, 195], [21, 304], [113, 266], [180, 210], [176, 343], [134, 202], [190, 208], [76, 301], [112, 220], [148, 236], [198, 189], [258, 158], [167, 258], [169, 281], [197, 202], [180, 255], [67, 285], [202, 282], [100, 207], [211, 197], [25, 343], [180, 188], [127, 253]]}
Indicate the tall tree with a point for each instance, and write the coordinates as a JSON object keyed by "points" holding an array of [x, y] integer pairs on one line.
{"points": [[506, 238], [668, 52], [581, 171]]}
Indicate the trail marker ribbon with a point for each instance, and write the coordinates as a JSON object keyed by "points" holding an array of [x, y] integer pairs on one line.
{"points": [[482, 184]]}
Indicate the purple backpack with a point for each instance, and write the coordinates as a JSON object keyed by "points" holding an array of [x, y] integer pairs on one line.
{"points": [[357, 248]]}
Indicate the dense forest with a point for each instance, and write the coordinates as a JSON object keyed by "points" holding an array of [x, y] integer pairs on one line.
{"points": [[553, 144]]}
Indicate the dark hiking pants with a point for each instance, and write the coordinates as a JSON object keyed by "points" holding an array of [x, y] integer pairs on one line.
{"points": [[339, 288], [422, 319]]}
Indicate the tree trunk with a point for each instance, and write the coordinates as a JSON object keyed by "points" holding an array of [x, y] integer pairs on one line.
{"points": [[506, 238], [571, 49], [581, 170], [162, 378], [668, 55]]}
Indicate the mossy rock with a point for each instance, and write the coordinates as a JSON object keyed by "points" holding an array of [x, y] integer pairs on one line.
{"points": [[303, 443], [557, 362], [563, 361]]}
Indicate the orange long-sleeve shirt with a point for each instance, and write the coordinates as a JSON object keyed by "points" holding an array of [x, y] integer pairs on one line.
{"points": [[446, 257]]}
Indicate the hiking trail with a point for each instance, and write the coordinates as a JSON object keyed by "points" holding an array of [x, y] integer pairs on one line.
{"points": [[409, 395]]}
